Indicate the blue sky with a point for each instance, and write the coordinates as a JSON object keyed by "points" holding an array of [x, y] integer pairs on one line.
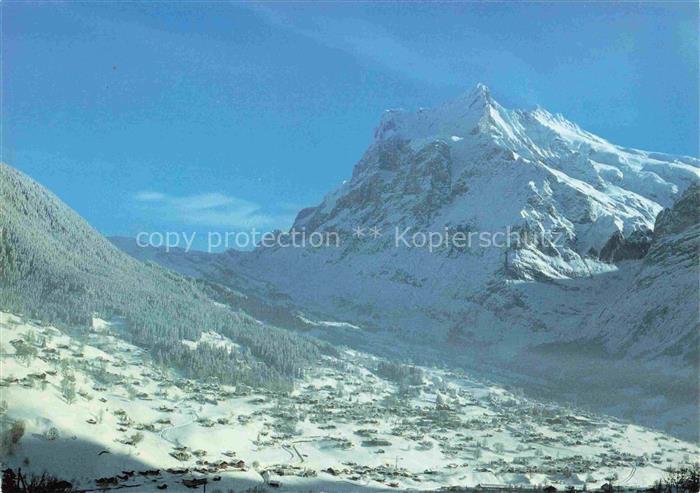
{"points": [[184, 116]]}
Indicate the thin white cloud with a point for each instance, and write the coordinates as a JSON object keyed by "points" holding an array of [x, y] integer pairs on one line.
{"points": [[147, 196], [214, 209], [208, 201]]}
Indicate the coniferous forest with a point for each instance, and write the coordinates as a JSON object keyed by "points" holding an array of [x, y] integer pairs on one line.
{"points": [[57, 268]]}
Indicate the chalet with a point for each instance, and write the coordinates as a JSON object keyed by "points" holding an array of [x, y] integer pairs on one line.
{"points": [[194, 483], [491, 487]]}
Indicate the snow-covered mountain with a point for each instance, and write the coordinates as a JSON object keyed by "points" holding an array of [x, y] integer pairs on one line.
{"points": [[588, 264], [472, 165]]}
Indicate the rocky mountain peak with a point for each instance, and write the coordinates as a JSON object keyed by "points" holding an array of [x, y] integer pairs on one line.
{"points": [[455, 118], [480, 95]]}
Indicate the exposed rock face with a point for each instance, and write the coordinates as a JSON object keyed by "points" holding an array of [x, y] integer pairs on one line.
{"points": [[391, 174], [634, 247], [677, 233], [683, 215]]}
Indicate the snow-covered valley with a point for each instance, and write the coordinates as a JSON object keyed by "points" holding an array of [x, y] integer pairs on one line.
{"points": [[97, 411]]}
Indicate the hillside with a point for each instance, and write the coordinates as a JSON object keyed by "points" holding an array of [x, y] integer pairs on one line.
{"points": [[59, 269]]}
